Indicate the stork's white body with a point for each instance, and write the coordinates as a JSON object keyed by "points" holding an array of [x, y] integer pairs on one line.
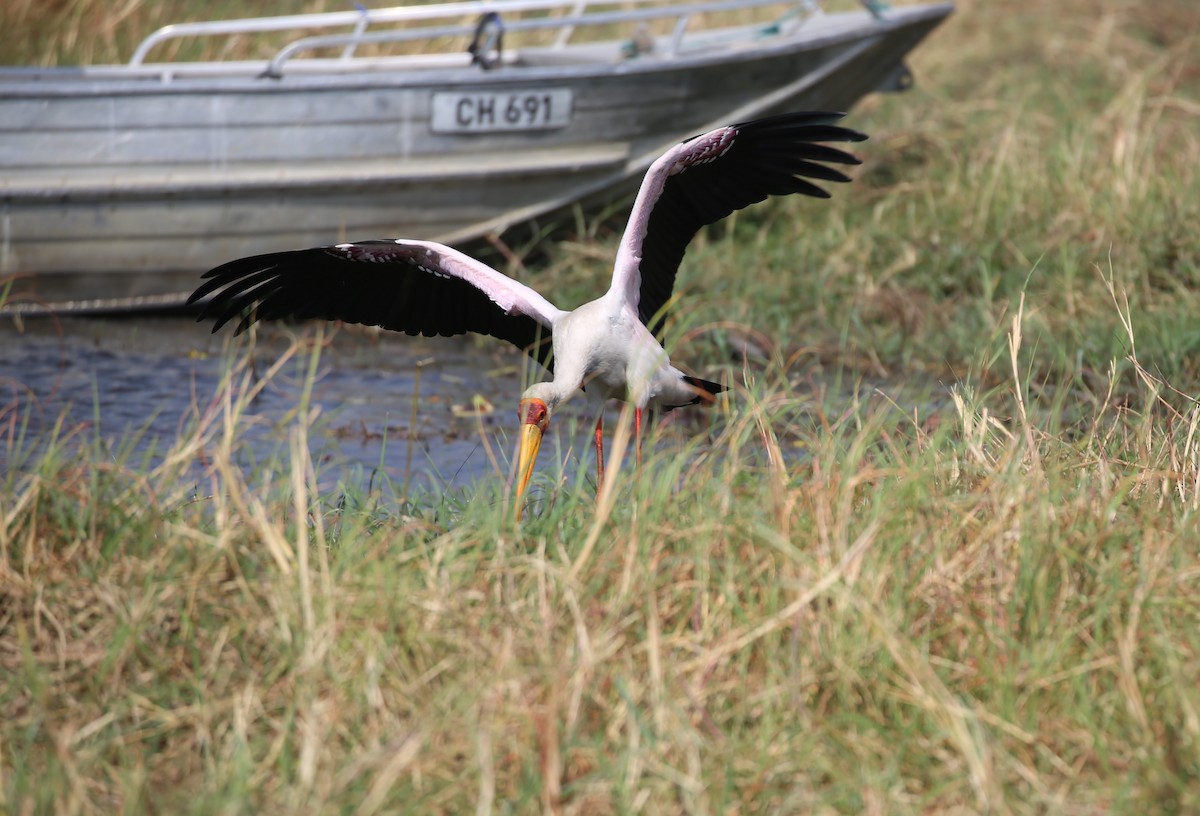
{"points": [[604, 348], [608, 346]]}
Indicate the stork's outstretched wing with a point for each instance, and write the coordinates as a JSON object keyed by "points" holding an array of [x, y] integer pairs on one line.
{"points": [[707, 177], [417, 287]]}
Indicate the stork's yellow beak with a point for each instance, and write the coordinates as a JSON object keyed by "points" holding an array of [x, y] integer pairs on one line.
{"points": [[534, 419]]}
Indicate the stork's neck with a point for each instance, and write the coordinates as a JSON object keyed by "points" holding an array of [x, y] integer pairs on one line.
{"points": [[551, 392]]}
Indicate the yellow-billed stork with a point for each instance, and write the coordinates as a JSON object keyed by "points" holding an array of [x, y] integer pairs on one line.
{"points": [[607, 346]]}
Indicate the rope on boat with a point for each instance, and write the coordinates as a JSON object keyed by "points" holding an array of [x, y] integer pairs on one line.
{"points": [[172, 302]]}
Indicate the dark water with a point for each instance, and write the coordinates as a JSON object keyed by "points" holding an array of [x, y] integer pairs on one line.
{"points": [[139, 381]]}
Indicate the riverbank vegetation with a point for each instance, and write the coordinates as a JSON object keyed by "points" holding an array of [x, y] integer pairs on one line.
{"points": [[937, 552]]}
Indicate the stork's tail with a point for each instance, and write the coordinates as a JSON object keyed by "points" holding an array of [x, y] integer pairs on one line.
{"points": [[706, 392]]}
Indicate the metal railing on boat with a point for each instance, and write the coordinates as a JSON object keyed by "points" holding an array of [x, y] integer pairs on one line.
{"points": [[577, 15]]}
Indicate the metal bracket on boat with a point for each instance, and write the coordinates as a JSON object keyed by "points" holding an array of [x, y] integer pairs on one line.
{"points": [[878, 8], [364, 20], [900, 79], [487, 46]]}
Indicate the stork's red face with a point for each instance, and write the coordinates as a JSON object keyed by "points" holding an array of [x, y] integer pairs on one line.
{"points": [[535, 418]]}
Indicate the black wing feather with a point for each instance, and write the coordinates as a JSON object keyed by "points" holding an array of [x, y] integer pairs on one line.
{"points": [[374, 283], [767, 157]]}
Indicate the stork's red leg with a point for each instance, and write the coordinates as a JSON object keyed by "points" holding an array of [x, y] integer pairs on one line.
{"points": [[637, 432], [599, 451]]}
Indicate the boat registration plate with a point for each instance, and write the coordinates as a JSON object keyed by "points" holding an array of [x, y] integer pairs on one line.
{"points": [[490, 112]]}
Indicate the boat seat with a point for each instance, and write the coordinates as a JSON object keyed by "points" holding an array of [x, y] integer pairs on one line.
{"points": [[597, 54]]}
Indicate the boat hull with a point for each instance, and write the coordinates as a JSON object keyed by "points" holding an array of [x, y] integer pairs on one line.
{"points": [[118, 188]]}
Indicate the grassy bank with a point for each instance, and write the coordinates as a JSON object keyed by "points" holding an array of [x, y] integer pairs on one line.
{"points": [[937, 553]]}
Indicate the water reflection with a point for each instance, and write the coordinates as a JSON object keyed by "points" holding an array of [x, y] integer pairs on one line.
{"points": [[115, 379]]}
